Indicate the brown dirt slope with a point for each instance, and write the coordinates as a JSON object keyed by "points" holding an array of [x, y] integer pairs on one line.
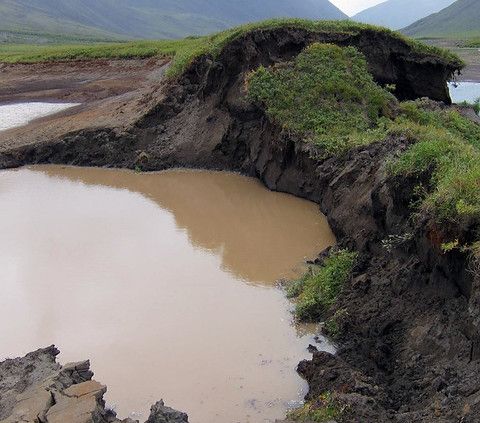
{"points": [[112, 92]]}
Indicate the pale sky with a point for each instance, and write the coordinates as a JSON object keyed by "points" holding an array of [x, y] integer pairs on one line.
{"points": [[350, 7]]}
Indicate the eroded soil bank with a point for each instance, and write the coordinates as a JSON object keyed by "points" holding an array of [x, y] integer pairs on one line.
{"points": [[409, 349]]}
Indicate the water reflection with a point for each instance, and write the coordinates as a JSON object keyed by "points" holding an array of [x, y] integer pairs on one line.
{"points": [[260, 235]]}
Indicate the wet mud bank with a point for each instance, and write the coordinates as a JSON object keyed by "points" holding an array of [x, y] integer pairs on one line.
{"points": [[409, 347]]}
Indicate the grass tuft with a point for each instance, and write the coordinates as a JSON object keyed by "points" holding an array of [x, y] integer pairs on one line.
{"points": [[334, 325], [475, 105], [472, 43], [320, 286], [324, 409]]}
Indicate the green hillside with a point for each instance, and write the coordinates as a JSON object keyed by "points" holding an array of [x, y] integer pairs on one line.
{"points": [[396, 14], [115, 19], [460, 20]]}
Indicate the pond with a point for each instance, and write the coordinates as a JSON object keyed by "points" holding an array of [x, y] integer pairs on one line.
{"points": [[166, 281], [19, 114], [464, 91]]}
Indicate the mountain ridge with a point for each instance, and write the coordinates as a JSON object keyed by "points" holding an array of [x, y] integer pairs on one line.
{"points": [[461, 19], [150, 18], [397, 14]]}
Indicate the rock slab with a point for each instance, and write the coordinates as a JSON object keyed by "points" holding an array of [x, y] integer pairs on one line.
{"points": [[36, 389]]}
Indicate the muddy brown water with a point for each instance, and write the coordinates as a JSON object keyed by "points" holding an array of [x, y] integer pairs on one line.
{"points": [[166, 281]]}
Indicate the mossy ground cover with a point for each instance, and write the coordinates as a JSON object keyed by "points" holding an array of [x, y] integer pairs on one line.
{"points": [[185, 50]]}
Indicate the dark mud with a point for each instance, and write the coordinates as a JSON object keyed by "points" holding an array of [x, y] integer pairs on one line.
{"points": [[409, 349]]}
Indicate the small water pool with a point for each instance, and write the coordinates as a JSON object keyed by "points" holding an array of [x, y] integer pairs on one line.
{"points": [[166, 281], [19, 114], [464, 91]]}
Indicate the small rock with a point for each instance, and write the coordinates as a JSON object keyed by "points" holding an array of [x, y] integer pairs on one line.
{"points": [[159, 413]]}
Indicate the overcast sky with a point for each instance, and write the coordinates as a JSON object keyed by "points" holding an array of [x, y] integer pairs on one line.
{"points": [[350, 7]]}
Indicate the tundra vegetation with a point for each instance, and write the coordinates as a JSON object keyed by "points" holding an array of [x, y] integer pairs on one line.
{"points": [[327, 95], [472, 43], [184, 51]]}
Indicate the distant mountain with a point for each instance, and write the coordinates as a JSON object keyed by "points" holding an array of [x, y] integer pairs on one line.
{"points": [[150, 18], [461, 19], [396, 14]]}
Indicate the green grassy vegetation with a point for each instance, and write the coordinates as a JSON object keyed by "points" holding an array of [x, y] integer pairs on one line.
{"points": [[460, 20], [320, 286], [180, 49], [463, 38], [447, 146], [185, 50], [33, 38], [333, 325], [325, 408], [326, 95], [472, 43]]}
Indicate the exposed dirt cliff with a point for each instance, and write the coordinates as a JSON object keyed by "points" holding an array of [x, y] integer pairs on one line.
{"points": [[409, 349]]}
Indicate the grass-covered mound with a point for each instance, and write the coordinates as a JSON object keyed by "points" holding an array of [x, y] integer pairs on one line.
{"points": [[185, 50], [327, 95], [473, 43]]}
